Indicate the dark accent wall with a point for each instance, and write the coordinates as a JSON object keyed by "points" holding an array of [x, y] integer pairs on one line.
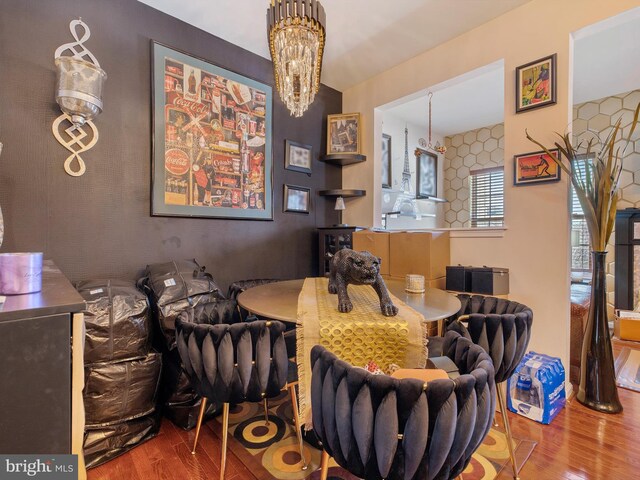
{"points": [[99, 225]]}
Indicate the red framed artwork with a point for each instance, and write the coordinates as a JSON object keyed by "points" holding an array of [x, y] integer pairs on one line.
{"points": [[535, 167]]}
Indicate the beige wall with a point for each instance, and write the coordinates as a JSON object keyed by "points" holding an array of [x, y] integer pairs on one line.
{"points": [[536, 245], [466, 152]]}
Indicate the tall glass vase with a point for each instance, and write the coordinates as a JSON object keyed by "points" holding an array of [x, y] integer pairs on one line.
{"points": [[598, 388]]}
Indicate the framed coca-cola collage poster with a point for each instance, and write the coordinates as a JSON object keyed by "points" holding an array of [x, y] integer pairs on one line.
{"points": [[212, 154]]}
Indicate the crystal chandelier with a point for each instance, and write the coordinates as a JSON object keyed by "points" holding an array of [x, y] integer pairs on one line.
{"points": [[296, 40]]}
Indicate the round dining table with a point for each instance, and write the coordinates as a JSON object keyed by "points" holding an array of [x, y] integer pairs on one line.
{"points": [[279, 301]]}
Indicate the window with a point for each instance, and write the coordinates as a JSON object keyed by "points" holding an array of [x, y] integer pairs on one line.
{"points": [[487, 197], [580, 249]]}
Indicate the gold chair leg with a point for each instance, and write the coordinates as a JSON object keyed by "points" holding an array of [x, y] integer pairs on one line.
{"points": [[266, 412], [225, 432], [296, 421], [324, 466], [501, 390], [203, 407]]}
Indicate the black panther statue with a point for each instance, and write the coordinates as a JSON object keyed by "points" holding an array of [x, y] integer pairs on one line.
{"points": [[358, 268]]}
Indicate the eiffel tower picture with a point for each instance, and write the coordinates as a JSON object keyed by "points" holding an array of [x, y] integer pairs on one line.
{"points": [[406, 201], [406, 173]]}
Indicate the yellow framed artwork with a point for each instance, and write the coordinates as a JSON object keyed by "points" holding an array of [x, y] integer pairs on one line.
{"points": [[536, 84]]}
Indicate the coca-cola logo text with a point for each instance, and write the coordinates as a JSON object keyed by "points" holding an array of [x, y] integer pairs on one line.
{"points": [[176, 161], [189, 105]]}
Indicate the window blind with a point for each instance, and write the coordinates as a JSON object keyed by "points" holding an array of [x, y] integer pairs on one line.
{"points": [[580, 248], [487, 197]]}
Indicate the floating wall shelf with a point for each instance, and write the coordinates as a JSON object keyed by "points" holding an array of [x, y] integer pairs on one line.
{"points": [[342, 193], [433, 199], [342, 159]]}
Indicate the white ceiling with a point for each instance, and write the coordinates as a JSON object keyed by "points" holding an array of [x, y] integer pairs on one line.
{"points": [[607, 58], [364, 37], [606, 62], [471, 101]]}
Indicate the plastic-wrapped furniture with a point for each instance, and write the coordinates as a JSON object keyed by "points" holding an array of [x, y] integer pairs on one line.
{"points": [[503, 329], [121, 372], [116, 320], [243, 362], [175, 288], [116, 392], [379, 427]]}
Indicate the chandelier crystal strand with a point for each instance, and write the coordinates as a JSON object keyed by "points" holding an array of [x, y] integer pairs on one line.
{"points": [[296, 40]]}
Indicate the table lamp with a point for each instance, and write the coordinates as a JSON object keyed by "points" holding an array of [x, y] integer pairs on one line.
{"points": [[340, 206]]}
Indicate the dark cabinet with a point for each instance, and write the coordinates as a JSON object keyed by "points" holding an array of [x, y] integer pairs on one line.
{"points": [[39, 403], [330, 240], [36, 385], [627, 259]]}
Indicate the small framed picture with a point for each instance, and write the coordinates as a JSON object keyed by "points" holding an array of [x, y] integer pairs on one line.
{"points": [[296, 199], [536, 167], [536, 84], [343, 133], [427, 174], [298, 157], [386, 161]]}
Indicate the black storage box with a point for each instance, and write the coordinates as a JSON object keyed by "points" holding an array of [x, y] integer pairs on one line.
{"points": [[490, 280], [459, 278]]}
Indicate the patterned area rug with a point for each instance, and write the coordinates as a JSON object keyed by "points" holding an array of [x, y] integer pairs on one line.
{"points": [[271, 451]]}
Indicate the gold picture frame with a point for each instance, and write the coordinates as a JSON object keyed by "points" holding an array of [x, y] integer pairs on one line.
{"points": [[344, 134]]}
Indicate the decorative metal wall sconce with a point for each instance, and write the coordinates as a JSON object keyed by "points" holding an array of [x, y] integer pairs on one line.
{"points": [[79, 94]]}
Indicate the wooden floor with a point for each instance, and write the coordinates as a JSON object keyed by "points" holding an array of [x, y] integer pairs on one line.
{"points": [[579, 444]]}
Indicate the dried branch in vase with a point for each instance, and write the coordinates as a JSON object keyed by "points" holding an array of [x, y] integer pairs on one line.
{"points": [[596, 180]]}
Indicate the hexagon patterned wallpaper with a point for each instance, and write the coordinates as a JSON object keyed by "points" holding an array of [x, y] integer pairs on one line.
{"points": [[599, 116], [467, 151]]}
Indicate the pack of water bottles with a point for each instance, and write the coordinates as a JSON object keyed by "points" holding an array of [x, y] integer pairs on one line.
{"points": [[536, 388]]}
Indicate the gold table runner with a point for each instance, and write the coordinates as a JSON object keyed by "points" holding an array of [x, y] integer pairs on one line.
{"points": [[357, 337]]}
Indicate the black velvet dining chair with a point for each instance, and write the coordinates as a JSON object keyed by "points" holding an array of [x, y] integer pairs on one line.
{"points": [[236, 288], [232, 364], [378, 427], [503, 329]]}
